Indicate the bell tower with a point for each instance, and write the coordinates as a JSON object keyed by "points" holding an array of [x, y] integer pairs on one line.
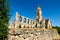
{"points": [[38, 14]]}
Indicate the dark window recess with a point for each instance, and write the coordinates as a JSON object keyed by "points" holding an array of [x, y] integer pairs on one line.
{"points": [[46, 26], [24, 26], [24, 20], [28, 20], [20, 26], [20, 19], [27, 26], [36, 25]]}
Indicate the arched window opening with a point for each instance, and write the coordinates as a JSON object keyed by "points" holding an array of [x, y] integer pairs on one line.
{"points": [[20, 19], [28, 20], [24, 20]]}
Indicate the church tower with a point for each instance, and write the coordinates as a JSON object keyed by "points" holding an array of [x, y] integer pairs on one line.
{"points": [[38, 14]]}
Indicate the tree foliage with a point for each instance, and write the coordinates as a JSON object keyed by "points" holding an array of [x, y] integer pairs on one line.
{"points": [[4, 18], [58, 28]]}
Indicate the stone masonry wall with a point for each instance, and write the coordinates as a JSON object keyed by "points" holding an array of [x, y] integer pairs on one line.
{"points": [[46, 34]]}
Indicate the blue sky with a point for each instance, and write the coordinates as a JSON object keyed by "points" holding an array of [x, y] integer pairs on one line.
{"points": [[50, 9]]}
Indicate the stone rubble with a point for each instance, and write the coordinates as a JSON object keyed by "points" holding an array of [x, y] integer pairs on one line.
{"points": [[35, 35]]}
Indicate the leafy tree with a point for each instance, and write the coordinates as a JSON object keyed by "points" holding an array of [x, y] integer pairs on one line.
{"points": [[57, 27], [4, 18]]}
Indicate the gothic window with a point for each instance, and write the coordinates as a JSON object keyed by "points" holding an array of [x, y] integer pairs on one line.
{"points": [[24, 20], [28, 20], [20, 19]]}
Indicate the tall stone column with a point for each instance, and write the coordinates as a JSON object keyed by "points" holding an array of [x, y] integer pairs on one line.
{"points": [[34, 24], [30, 23], [17, 20], [43, 23], [22, 19], [49, 24], [26, 20]]}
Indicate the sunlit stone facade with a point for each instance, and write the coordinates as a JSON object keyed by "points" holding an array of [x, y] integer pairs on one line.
{"points": [[23, 28], [24, 22]]}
